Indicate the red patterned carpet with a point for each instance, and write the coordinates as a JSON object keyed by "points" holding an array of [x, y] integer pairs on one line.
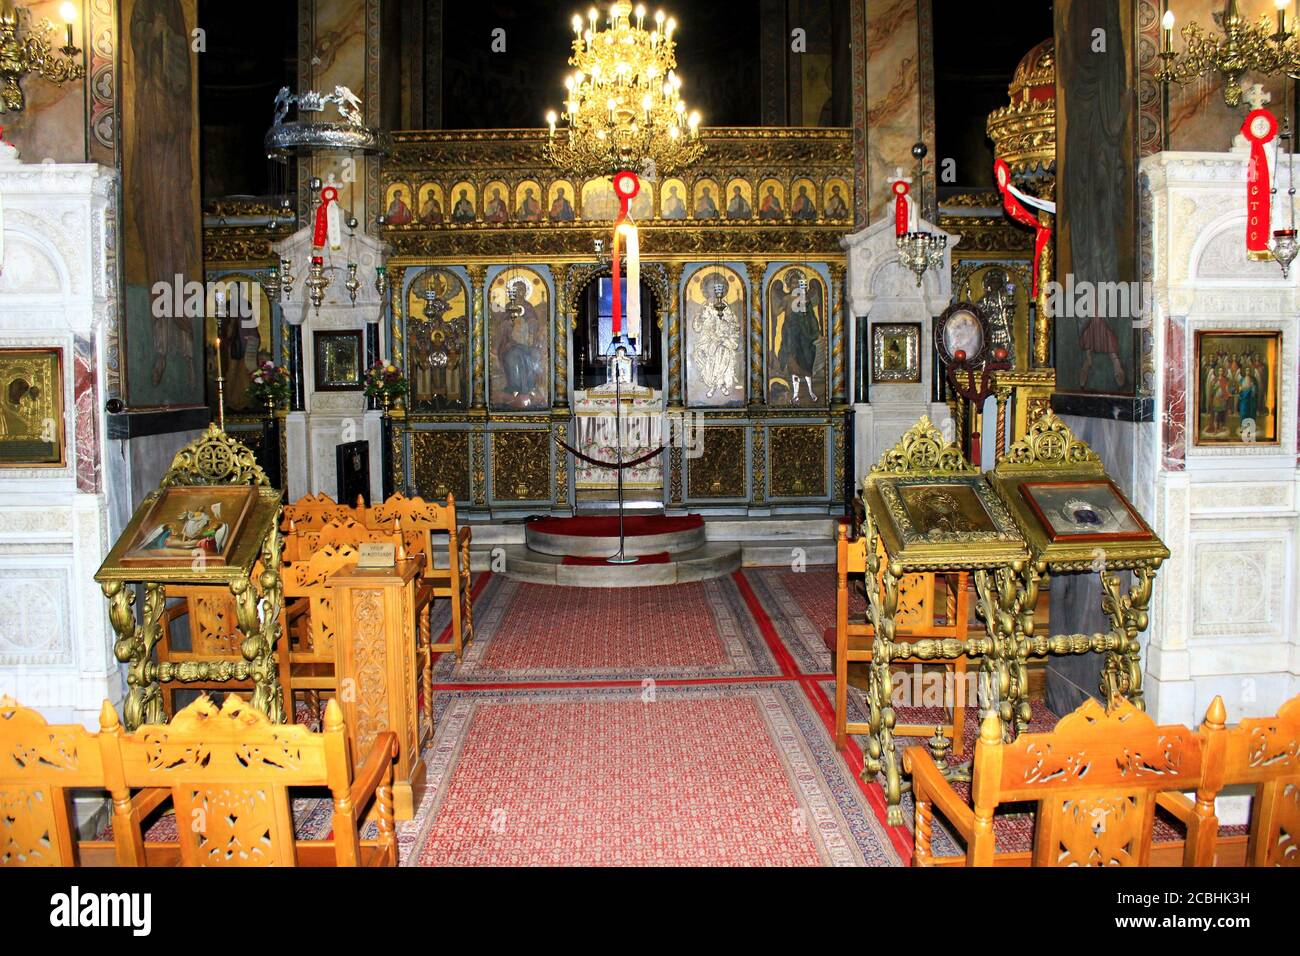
{"points": [[535, 632], [656, 726], [714, 775]]}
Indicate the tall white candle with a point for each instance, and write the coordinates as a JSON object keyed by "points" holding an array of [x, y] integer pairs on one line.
{"points": [[633, 246]]}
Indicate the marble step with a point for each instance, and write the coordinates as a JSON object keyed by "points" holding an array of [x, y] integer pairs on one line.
{"points": [[639, 539], [706, 561], [784, 552], [766, 529]]}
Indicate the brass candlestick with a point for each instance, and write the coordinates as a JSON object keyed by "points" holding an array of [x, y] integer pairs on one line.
{"points": [[221, 391]]}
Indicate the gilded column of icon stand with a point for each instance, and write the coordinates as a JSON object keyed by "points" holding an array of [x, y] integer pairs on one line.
{"points": [[246, 569]]}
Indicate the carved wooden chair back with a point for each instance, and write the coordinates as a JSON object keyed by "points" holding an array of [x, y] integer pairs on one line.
{"points": [[229, 772], [310, 624], [930, 605], [41, 764], [1095, 779], [1263, 753], [418, 520], [307, 516]]}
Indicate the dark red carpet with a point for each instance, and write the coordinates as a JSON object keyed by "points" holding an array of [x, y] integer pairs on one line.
{"points": [[606, 526]]}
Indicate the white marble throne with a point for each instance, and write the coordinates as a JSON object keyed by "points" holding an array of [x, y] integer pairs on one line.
{"points": [[883, 291], [58, 288], [329, 418]]}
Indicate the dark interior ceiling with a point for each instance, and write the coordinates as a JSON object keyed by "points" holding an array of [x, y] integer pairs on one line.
{"points": [[239, 74], [717, 50], [975, 54]]}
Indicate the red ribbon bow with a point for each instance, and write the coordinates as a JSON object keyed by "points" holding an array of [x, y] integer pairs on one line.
{"points": [[1259, 128], [1017, 211], [327, 195]]}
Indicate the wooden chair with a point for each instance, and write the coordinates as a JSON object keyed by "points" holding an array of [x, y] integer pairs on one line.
{"points": [[1095, 780], [229, 772], [44, 764], [1264, 753], [418, 520], [929, 606]]}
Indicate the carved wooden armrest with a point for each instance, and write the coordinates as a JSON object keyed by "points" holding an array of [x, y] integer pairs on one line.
{"points": [[176, 611], [377, 770], [929, 786], [1180, 805], [146, 801]]}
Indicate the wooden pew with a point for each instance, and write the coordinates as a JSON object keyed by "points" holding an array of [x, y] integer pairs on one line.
{"points": [[1095, 779], [227, 771], [1263, 753], [418, 520]]}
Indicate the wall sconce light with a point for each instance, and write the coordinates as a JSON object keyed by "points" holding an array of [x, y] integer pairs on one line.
{"points": [[31, 53]]}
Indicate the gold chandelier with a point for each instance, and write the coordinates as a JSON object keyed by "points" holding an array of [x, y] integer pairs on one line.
{"points": [[1245, 47], [624, 108], [31, 53]]}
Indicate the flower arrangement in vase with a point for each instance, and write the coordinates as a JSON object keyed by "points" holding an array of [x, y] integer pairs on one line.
{"points": [[269, 386], [385, 382]]}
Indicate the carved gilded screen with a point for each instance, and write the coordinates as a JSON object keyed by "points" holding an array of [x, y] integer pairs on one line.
{"points": [[796, 328], [518, 340], [715, 338], [438, 339]]}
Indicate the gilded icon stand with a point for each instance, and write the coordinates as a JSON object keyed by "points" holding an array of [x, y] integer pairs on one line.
{"points": [[1074, 520], [929, 510], [198, 540]]}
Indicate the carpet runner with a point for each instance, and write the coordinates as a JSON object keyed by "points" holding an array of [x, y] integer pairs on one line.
{"points": [[530, 633], [708, 775]]}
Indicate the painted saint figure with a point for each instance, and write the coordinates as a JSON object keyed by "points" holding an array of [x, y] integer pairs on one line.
{"points": [[399, 213], [771, 208], [705, 207], [798, 330], [717, 344], [463, 211], [803, 207], [561, 209], [674, 208], [836, 208], [496, 211], [520, 342], [738, 208]]}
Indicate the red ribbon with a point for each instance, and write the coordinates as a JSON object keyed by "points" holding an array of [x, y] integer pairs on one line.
{"points": [[901, 190], [1260, 127], [626, 186], [1017, 211], [327, 195]]}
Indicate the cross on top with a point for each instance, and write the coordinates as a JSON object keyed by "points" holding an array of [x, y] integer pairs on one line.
{"points": [[1256, 96]]}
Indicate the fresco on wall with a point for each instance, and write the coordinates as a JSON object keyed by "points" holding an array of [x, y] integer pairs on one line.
{"points": [[715, 338], [162, 220], [518, 341], [796, 343], [437, 330]]}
